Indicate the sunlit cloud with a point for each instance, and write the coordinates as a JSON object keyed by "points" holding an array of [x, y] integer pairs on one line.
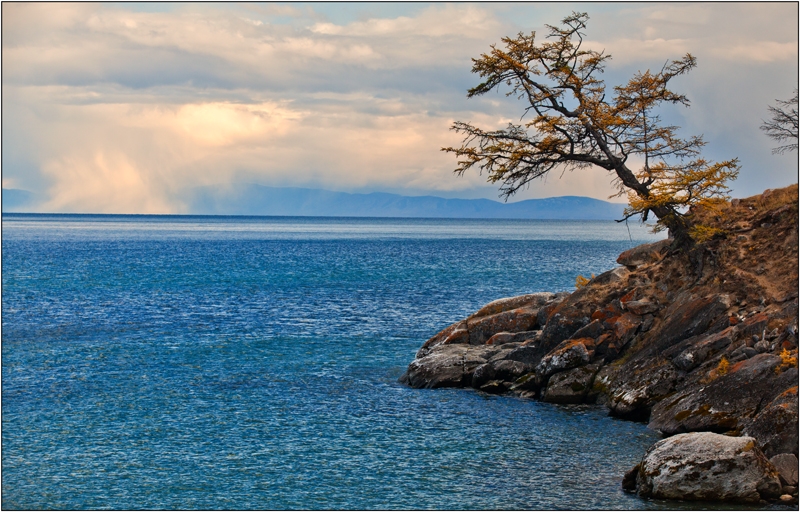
{"points": [[104, 183]]}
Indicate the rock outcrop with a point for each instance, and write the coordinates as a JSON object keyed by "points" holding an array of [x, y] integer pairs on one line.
{"points": [[489, 350], [698, 341]]}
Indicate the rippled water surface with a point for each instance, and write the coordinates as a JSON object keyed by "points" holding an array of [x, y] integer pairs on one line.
{"points": [[252, 363]]}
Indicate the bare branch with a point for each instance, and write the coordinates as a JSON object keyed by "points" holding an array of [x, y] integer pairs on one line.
{"points": [[783, 125]]}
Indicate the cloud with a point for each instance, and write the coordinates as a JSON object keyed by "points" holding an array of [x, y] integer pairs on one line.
{"points": [[468, 21], [159, 148], [223, 124], [118, 107], [759, 51], [737, 32]]}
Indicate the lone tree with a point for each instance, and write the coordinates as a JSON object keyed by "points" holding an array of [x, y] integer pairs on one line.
{"points": [[783, 125], [572, 124]]}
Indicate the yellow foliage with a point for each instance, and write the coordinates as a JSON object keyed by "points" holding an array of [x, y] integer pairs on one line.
{"points": [[722, 367], [702, 234], [581, 281], [719, 371], [697, 184], [788, 360]]}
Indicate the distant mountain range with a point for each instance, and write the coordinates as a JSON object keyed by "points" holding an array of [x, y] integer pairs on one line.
{"points": [[261, 200], [16, 200], [249, 199]]}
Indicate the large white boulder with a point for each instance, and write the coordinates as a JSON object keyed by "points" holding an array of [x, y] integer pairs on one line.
{"points": [[707, 466]]}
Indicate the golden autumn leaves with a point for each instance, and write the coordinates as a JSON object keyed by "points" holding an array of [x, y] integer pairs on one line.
{"points": [[573, 124]]}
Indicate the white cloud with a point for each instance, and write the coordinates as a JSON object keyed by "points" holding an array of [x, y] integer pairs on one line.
{"points": [[465, 21]]}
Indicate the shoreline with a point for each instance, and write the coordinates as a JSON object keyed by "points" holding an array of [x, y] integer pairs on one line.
{"points": [[703, 348]]}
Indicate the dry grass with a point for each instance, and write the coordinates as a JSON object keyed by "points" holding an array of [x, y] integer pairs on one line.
{"points": [[739, 214], [772, 199]]}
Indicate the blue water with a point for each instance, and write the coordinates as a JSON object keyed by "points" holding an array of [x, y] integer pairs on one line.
{"points": [[168, 362]]}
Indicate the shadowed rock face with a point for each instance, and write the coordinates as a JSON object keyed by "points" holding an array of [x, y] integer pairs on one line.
{"points": [[775, 426], [786, 464], [689, 342], [726, 403], [570, 387]]}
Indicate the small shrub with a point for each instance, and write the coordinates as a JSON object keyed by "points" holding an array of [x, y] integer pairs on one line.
{"points": [[719, 371], [788, 360], [581, 281], [722, 367]]}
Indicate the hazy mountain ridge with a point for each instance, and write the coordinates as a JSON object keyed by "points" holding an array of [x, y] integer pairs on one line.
{"points": [[250, 199], [17, 200], [262, 200]]}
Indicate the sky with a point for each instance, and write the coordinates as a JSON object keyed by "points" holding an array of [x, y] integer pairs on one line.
{"points": [[122, 107]]}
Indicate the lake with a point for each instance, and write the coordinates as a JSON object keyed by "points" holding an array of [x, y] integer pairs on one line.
{"points": [[180, 362]]}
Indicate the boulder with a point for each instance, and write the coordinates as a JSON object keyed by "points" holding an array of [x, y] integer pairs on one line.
{"points": [[563, 324], [599, 391], [625, 327], [592, 330], [526, 385], [708, 467], [614, 275], [754, 326], [776, 426], [762, 346], [458, 336], [786, 464], [570, 387], [496, 317], [569, 354], [641, 307], [643, 254], [440, 337], [502, 370], [531, 300], [483, 328], [606, 347], [611, 310], [446, 366], [502, 338], [529, 354], [638, 384], [742, 352], [495, 387]]}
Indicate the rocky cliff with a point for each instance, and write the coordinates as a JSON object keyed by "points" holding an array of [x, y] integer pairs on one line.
{"points": [[688, 341]]}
